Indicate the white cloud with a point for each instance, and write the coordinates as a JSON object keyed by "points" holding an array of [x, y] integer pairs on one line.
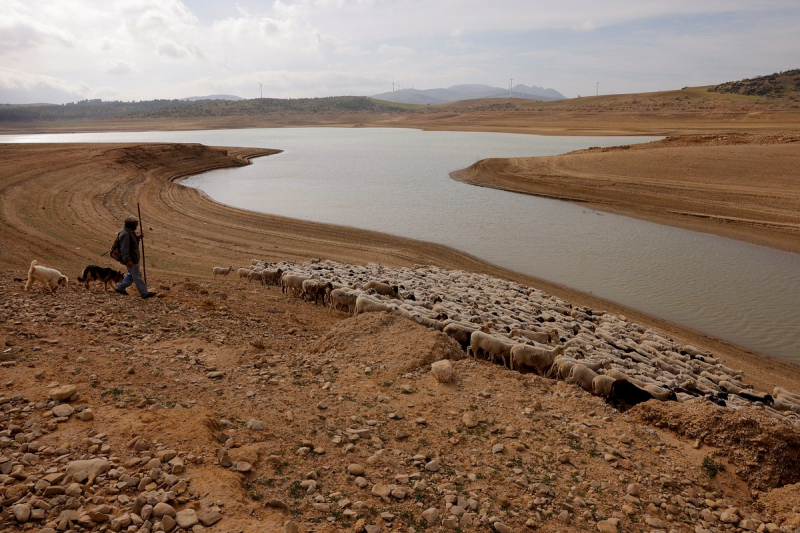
{"points": [[174, 48], [18, 87], [119, 68]]}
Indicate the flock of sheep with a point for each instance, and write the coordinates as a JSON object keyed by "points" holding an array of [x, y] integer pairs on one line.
{"points": [[528, 330]]}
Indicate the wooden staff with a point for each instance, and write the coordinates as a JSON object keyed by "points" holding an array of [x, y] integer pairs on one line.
{"points": [[141, 232]]}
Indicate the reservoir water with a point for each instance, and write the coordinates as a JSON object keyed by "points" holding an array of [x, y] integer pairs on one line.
{"points": [[396, 181]]}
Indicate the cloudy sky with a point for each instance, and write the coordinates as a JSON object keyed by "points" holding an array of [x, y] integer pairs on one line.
{"points": [[67, 50]]}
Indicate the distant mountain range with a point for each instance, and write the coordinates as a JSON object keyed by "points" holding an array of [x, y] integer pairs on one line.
{"points": [[467, 92], [213, 97]]}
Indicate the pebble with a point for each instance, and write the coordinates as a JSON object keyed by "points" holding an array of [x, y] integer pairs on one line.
{"points": [[502, 528], [431, 516], [65, 392], [63, 410], [443, 371], [608, 526], [256, 425], [355, 469], [433, 466], [469, 420]]}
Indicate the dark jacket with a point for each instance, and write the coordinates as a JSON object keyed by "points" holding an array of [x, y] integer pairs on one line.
{"points": [[128, 246]]}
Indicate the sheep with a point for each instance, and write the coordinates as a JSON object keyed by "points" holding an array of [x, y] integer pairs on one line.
{"points": [[785, 404], [343, 298], [542, 337], [384, 289], [314, 289], [660, 393], [431, 323], [538, 358], [601, 385], [271, 277], [623, 395], [292, 283], [368, 304], [616, 374], [254, 274], [582, 376], [489, 346], [780, 392], [460, 333], [244, 272], [222, 271]]}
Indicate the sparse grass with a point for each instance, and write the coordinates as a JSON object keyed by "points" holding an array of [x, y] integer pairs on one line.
{"points": [[116, 392], [295, 490], [711, 467]]}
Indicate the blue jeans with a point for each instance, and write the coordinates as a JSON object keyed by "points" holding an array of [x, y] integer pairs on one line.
{"points": [[134, 276]]}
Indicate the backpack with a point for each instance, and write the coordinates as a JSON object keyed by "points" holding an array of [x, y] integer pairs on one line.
{"points": [[115, 253]]}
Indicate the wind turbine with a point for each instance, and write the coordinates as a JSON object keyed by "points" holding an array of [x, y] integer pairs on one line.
{"points": [[261, 89]]}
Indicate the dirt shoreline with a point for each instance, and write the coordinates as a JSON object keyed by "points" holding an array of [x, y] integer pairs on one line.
{"points": [[744, 187], [63, 203]]}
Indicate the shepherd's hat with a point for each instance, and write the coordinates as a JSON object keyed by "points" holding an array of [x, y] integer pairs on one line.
{"points": [[132, 218]]}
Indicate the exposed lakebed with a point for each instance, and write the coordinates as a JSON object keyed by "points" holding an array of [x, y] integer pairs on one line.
{"points": [[396, 181]]}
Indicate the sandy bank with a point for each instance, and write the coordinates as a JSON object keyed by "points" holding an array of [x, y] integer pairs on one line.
{"points": [[744, 187], [62, 204]]}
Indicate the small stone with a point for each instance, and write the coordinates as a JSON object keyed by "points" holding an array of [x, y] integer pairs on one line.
{"points": [[608, 526], [95, 467], [431, 516], [210, 518], [433, 466], [502, 528], [633, 490], [62, 393], [63, 410], [372, 528], [22, 512], [355, 469], [243, 467], [655, 522], [382, 491], [470, 421], [215, 375], [450, 523], [164, 509], [167, 523], [256, 425], [498, 448], [86, 415], [290, 527], [442, 371], [361, 482]]}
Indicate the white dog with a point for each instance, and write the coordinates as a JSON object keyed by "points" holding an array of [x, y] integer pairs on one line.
{"points": [[49, 277]]}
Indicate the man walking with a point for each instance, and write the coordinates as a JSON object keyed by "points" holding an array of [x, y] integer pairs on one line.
{"points": [[129, 256]]}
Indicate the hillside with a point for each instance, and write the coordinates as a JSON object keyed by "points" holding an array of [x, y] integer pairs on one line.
{"points": [[200, 107], [468, 92], [784, 84]]}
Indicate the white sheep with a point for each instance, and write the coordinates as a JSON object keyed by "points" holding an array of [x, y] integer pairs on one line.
{"points": [[222, 271], [490, 347], [384, 289], [368, 304], [271, 277], [582, 376], [292, 283], [538, 358]]}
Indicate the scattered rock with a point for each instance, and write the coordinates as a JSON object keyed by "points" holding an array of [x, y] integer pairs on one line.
{"points": [[442, 371]]}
